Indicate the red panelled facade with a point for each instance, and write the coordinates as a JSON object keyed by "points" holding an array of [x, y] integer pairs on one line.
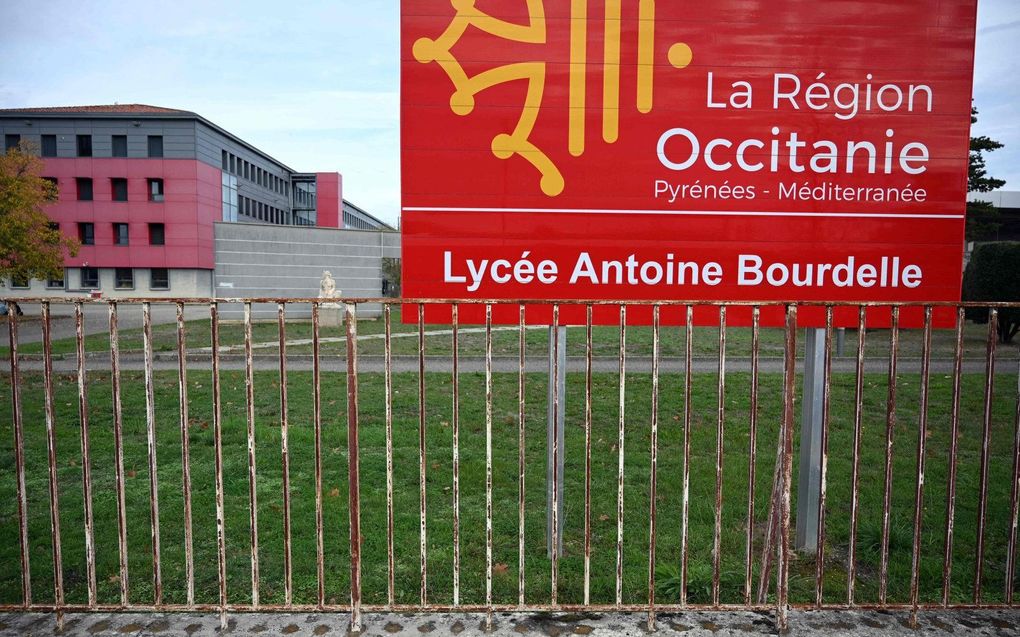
{"points": [[165, 175], [191, 203], [329, 200]]}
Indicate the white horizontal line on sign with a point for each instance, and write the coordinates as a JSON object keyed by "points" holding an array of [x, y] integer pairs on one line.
{"points": [[718, 213]]}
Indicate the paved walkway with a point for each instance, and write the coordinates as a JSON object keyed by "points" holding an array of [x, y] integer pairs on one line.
{"points": [[699, 624], [167, 361]]}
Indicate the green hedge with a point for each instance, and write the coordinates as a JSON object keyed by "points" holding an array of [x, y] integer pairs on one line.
{"points": [[993, 274]]}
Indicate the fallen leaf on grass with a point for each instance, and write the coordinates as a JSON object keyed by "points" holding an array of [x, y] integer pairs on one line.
{"points": [[603, 517], [499, 569], [131, 473], [334, 492]]}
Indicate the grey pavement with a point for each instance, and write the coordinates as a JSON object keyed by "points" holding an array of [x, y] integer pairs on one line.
{"points": [[1006, 363], [96, 320], [692, 624]]}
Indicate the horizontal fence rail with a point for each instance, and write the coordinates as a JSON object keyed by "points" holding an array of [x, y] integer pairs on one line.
{"points": [[173, 460]]}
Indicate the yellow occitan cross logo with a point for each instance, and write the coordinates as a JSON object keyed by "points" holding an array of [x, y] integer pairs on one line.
{"points": [[517, 142]]}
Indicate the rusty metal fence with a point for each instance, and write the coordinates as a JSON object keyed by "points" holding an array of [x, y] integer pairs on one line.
{"points": [[980, 406]]}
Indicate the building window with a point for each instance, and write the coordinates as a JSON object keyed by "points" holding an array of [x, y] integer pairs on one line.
{"points": [[120, 145], [87, 233], [84, 145], [229, 197], [155, 190], [157, 234], [123, 278], [19, 283], [233, 165], [11, 142], [55, 283], [119, 187], [223, 160], [89, 277], [84, 185], [49, 146], [159, 279], [247, 168], [155, 145], [120, 234]]}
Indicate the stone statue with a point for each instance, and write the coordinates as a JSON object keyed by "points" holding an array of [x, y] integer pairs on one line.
{"points": [[329, 314], [327, 287]]}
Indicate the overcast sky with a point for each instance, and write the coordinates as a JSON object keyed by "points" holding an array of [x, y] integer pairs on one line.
{"points": [[315, 84]]}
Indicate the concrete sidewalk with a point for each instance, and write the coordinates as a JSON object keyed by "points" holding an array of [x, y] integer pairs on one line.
{"points": [[694, 624]]}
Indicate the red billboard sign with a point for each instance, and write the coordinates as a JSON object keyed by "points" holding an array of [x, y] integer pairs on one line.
{"points": [[725, 150]]}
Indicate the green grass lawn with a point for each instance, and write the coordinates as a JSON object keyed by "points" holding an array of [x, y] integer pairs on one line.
{"points": [[439, 438]]}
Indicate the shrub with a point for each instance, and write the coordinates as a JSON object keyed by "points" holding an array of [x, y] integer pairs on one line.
{"points": [[993, 274]]}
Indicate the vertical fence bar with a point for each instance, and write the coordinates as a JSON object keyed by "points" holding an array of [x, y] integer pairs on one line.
{"points": [[182, 397], [587, 454], [388, 373], [986, 434], [823, 473], [456, 455], [686, 479], [51, 451], [922, 431], [353, 465], [720, 438], [772, 524], [789, 389], [1013, 496], [522, 347], [288, 580], [86, 457], [890, 427], [221, 540], [320, 560], [150, 430], [620, 441], [423, 530], [752, 452], [488, 469], [855, 471], [253, 508], [118, 452], [19, 460], [954, 435], [555, 539], [653, 461]]}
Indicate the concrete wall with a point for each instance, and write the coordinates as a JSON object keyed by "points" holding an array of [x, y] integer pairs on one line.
{"points": [[257, 260]]}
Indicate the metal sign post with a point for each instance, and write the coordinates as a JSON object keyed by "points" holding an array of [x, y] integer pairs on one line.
{"points": [[809, 487], [555, 427]]}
